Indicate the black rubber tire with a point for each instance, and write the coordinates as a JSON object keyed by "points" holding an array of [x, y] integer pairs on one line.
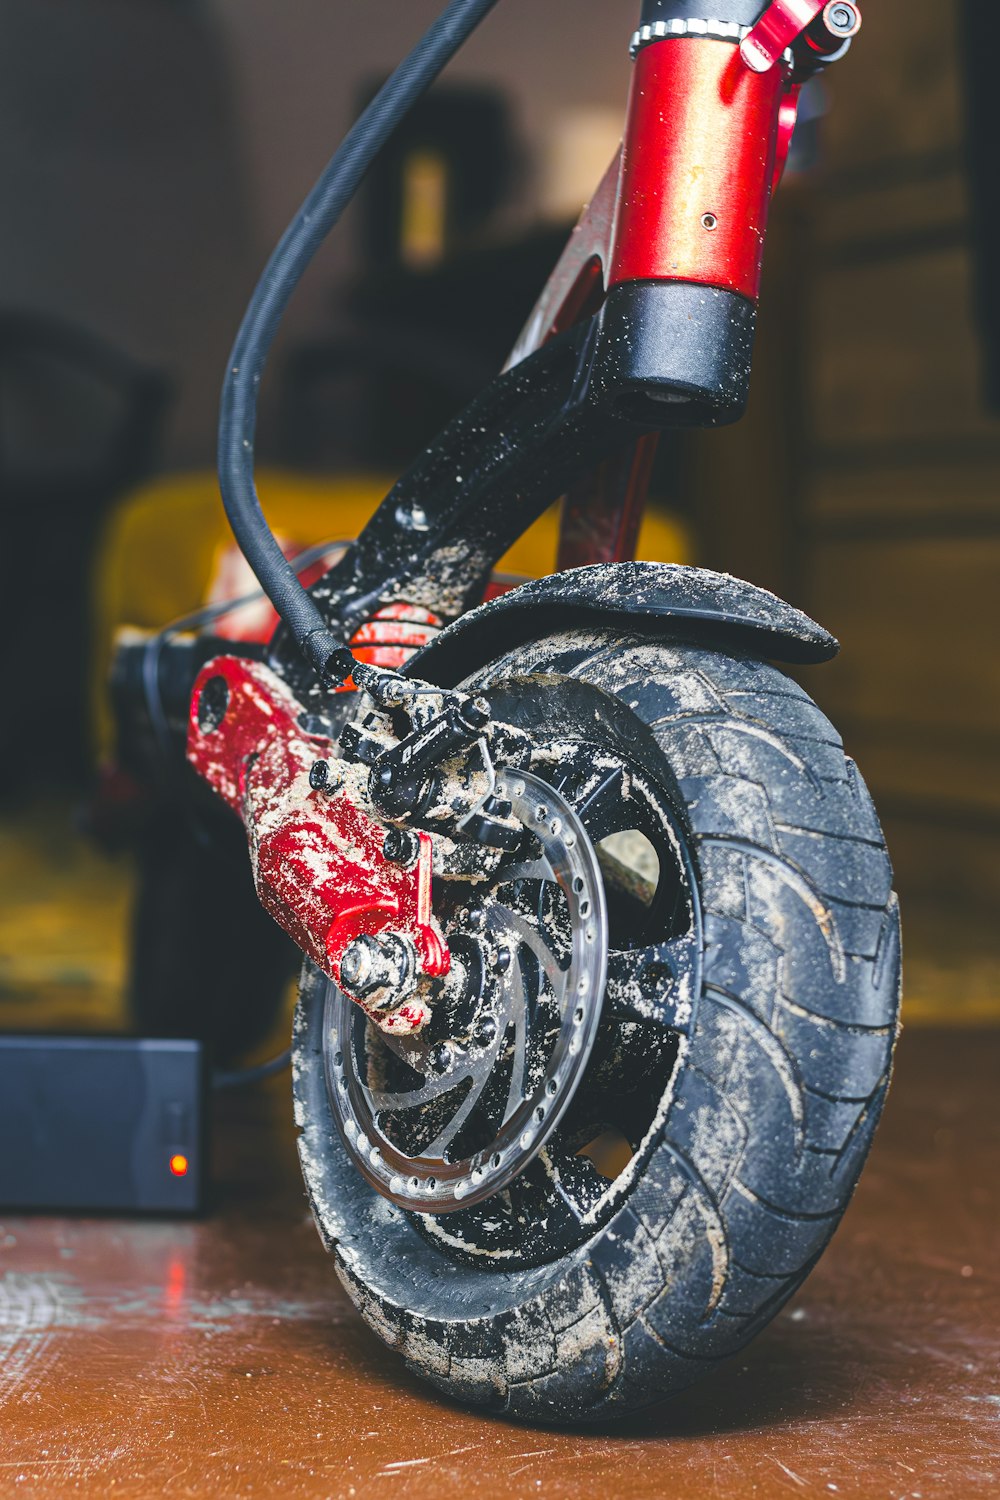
{"points": [[773, 1102]]}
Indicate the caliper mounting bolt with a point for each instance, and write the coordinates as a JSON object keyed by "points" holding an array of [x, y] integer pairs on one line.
{"points": [[401, 846], [319, 775], [476, 713]]}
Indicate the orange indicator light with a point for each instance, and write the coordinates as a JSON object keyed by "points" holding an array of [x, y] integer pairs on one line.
{"points": [[179, 1165]]}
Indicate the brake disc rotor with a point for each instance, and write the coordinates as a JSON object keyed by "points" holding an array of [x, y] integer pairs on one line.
{"points": [[437, 1124]]}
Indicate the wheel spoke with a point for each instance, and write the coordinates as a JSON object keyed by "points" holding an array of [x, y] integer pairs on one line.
{"points": [[555, 1192], [600, 806], [578, 1049], [580, 1183], [653, 984]]}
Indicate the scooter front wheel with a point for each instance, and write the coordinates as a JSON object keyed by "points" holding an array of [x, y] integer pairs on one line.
{"points": [[652, 1106]]}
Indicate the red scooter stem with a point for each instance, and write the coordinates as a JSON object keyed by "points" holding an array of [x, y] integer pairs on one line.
{"points": [[698, 166]]}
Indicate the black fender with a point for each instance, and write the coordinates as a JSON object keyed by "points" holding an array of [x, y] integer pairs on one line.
{"points": [[666, 598]]}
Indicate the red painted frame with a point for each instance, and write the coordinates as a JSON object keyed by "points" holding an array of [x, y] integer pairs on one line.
{"points": [[685, 199]]}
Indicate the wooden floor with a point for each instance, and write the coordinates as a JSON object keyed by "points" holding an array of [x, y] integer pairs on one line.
{"points": [[221, 1359]]}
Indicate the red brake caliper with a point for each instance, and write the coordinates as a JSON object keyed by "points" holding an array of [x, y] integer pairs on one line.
{"points": [[318, 858]]}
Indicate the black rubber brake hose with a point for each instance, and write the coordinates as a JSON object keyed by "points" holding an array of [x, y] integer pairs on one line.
{"points": [[326, 202]]}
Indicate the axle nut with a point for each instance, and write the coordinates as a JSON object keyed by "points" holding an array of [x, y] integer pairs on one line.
{"points": [[357, 964], [369, 964]]}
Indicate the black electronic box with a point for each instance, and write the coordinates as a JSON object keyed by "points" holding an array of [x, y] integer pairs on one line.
{"points": [[101, 1123]]}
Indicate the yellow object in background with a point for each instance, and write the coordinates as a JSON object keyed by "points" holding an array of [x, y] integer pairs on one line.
{"points": [[165, 545], [425, 208]]}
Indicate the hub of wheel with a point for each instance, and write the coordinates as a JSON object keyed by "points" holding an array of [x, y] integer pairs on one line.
{"points": [[443, 1119]]}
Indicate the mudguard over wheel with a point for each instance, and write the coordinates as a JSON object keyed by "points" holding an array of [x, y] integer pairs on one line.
{"points": [[743, 1111]]}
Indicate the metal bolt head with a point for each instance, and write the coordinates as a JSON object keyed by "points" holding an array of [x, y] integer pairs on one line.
{"points": [[356, 965], [503, 961], [385, 963], [319, 775], [401, 846], [441, 1057], [841, 18], [476, 920], [475, 714], [485, 1031]]}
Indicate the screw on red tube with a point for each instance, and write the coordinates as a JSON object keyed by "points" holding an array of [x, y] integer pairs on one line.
{"points": [[697, 170]]}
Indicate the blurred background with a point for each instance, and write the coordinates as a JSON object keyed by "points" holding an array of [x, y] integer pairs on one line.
{"points": [[152, 151]]}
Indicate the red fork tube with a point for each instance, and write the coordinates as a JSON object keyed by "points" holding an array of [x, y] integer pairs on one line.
{"points": [[697, 167]]}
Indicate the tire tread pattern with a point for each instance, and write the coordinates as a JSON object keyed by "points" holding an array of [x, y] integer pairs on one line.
{"points": [[776, 1100]]}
